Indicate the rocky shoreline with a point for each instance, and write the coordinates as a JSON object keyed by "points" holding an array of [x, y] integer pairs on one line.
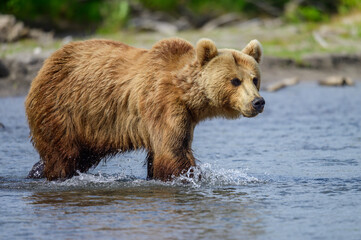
{"points": [[17, 72], [326, 69]]}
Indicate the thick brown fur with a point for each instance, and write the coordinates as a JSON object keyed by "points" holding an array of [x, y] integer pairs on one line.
{"points": [[93, 99]]}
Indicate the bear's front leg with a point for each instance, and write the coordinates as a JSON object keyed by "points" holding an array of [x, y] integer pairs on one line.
{"points": [[171, 134], [167, 165]]}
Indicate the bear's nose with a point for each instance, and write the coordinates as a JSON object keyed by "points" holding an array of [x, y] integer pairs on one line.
{"points": [[258, 104]]}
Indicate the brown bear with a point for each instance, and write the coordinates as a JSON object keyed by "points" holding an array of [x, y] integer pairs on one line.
{"points": [[96, 98]]}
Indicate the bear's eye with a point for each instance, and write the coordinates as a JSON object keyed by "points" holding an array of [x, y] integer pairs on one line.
{"points": [[255, 81], [236, 82]]}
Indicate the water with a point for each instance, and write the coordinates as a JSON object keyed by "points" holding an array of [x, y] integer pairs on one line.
{"points": [[293, 172]]}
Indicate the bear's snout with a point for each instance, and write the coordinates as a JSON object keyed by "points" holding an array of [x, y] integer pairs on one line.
{"points": [[258, 104]]}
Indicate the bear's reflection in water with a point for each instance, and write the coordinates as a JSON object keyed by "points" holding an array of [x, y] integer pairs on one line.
{"points": [[159, 211]]}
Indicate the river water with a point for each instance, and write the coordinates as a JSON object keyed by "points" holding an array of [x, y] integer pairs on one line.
{"points": [[293, 172]]}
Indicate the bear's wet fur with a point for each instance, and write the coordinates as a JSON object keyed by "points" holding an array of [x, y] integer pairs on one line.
{"points": [[97, 98]]}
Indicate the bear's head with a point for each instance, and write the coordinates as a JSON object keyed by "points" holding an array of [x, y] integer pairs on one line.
{"points": [[231, 79]]}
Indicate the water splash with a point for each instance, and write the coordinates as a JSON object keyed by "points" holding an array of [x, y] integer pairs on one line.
{"points": [[209, 175], [202, 175], [86, 179]]}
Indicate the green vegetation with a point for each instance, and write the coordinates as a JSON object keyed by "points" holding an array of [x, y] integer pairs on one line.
{"points": [[54, 10], [108, 15], [307, 13], [115, 14], [346, 6]]}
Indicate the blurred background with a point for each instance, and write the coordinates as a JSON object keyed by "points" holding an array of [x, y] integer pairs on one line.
{"points": [[113, 15], [300, 35]]}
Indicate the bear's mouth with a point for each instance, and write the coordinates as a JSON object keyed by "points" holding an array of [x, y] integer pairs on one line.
{"points": [[250, 114]]}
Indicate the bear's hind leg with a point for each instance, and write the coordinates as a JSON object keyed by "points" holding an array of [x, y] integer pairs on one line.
{"points": [[61, 166], [60, 162], [88, 159]]}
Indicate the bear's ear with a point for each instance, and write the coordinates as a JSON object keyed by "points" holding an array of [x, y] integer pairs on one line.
{"points": [[206, 50], [254, 49]]}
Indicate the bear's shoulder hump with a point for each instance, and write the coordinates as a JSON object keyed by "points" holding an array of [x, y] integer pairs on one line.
{"points": [[172, 47]]}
